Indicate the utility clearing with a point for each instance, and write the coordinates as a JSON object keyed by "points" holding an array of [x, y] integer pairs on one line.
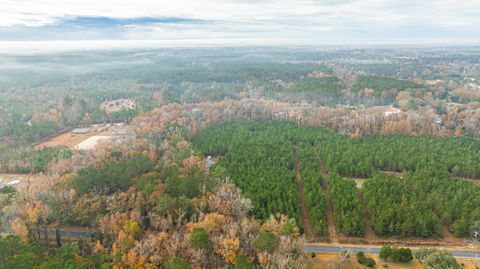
{"points": [[303, 205]]}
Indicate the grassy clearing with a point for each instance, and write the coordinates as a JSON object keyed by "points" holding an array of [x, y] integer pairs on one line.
{"points": [[358, 181]]}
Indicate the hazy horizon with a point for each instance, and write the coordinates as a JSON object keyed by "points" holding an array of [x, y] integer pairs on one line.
{"points": [[27, 47]]}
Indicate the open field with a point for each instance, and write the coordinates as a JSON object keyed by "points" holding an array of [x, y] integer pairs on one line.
{"points": [[331, 260], [87, 140]]}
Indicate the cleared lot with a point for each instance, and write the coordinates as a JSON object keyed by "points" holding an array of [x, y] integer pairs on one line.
{"points": [[91, 142], [88, 140]]}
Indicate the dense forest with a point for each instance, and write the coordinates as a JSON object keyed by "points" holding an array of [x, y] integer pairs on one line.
{"points": [[380, 84], [419, 204], [326, 85], [348, 212], [363, 156], [258, 157], [256, 167], [397, 210]]}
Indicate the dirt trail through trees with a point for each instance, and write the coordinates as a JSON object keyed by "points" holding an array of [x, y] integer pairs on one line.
{"points": [[307, 226], [369, 234], [332, 231]]}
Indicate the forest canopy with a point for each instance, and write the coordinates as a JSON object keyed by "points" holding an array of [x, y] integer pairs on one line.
{"points": [[258, 156]]}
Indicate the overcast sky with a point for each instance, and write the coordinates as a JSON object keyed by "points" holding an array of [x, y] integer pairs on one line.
{"points": [[236, 22]]}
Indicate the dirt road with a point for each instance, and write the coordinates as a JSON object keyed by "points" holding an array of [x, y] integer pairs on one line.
{"points": [[369, 234], [307, 226]]}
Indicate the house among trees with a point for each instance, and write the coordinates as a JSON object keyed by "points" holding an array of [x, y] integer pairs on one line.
{"points": [[112, 106], [210, 163], [280, 115]]}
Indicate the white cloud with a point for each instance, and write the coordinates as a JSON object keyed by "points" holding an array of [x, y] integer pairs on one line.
{"points": [[310, 21]]}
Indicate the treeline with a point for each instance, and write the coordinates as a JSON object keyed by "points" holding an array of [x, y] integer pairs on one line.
{"points": [[224, 71]]}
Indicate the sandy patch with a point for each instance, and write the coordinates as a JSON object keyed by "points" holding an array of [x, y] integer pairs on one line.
{"points": [[91, 142]]}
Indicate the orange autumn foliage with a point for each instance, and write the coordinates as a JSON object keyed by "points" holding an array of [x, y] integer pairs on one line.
{"points": [[229, 249], [133, 260], [20, 229]]}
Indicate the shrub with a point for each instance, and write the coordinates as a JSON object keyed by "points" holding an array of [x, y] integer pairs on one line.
{"points": [[242, 262], [361, 257], [435, 258], [199, 239], [177, 263], [401, 255], [369, 262], [385, 252], [266, 241]]}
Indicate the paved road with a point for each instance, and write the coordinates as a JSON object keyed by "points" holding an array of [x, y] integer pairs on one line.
{"points": [[322, 248], [308, 247]]}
